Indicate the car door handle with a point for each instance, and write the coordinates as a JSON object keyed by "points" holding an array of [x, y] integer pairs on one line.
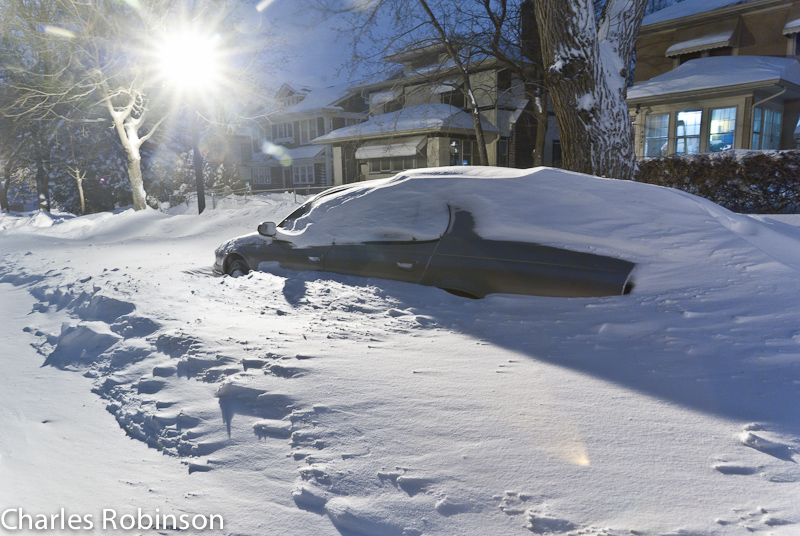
{"points": [[407, 266], [314, 259]]}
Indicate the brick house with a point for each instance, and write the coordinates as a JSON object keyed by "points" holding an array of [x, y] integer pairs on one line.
{"points": [[717, 74]]}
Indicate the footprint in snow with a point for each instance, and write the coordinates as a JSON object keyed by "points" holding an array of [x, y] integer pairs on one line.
{"points": [[727, 468], [755, 520], [773, 448], [411, 484], [513, 503], [544, 523]]}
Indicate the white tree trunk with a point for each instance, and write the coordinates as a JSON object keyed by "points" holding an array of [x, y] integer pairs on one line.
{"points": [[586, 68]]}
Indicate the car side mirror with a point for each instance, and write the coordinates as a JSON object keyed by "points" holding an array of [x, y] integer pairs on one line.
{"points": [[268, 228]]}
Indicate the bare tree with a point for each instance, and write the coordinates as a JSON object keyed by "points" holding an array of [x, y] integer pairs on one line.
{"points": [[419, 25], [586, 65], [473, 32], [39, 86], [466, 84], [108, 52], [506, 30]]}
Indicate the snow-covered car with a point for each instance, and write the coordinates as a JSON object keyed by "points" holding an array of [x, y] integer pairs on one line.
{"points": [[461, 230]]}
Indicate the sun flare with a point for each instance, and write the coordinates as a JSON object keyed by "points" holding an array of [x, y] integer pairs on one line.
{"points": [[191, 61]]}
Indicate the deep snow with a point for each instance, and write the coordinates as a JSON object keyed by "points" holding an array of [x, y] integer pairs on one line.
{"points": [[310, 403]]}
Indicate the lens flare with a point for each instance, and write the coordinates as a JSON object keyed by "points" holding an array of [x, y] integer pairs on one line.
{"points": [[60, 32], [277, 152]]}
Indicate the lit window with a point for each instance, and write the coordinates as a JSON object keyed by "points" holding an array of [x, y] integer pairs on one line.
{"points": [[687, 132], [722, 128], [766, 128], [656, 135], [469, 153]]}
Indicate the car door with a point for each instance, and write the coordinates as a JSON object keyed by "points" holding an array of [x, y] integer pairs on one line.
{"points": [[465, 263], [398, 260], [291, 257], [393, 240]]}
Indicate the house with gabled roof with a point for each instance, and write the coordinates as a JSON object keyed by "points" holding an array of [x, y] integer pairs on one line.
{"points": [[713, 75], [418, 117], [283, 156]]}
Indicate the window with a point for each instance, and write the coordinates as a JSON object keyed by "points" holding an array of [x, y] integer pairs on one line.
{"points": [[656, 135], [557, 157], [308, 130], [502, 152], [246, 148], [312, 129], [722, 128], [392, 164], [303, 174], [276, 172], [469, 154], [683, 58], [687, 132], [766, 128], [285, 130], [261, 176], [303, 131]]}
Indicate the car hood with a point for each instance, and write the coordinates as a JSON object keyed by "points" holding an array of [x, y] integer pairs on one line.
{"points": [[252, 239]]}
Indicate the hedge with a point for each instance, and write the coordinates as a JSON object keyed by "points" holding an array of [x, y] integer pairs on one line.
{"points": [[750, 182]]}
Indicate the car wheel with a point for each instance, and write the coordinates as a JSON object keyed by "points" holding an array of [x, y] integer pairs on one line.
{"points": [[238, 268]]}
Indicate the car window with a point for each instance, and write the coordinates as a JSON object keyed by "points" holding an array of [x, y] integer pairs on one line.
{"points": [[369, 213], [290, 221]]}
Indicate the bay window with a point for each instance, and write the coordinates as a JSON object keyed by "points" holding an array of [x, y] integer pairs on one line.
{"points": [[722, 129], [656, 135], [687, 132], [766, 128]]}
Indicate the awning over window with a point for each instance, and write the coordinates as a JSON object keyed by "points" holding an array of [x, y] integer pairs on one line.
{"points": [[793, 22], [406, 148], [717, 35]]}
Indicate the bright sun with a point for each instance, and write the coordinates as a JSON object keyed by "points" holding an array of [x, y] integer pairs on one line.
{"points": [[191, 61]]}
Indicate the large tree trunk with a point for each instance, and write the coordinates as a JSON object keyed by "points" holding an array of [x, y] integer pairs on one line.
{"points": [[127, 127], [135, 177], [5, 181], [476, 121], [197, 159], [540, 113], [587, 86], [42, 182]]}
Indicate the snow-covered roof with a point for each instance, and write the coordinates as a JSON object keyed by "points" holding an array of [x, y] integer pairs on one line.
{"points": [[318, 98], [688, 8], [422, 117], [718, 72]]}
